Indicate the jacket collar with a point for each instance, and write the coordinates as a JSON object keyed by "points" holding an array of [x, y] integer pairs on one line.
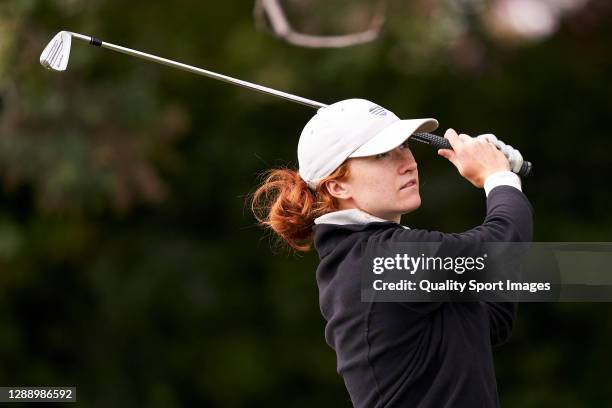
{"points": [[351, 216], [332, 229]]}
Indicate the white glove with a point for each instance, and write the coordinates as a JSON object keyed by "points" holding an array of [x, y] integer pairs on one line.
{"points": [[514, 156]]}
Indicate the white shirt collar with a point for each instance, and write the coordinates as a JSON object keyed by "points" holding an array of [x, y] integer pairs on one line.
{"points": [[351, 216]]}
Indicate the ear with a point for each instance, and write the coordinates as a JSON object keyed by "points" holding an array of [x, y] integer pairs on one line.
{"points": [[338, 189]]}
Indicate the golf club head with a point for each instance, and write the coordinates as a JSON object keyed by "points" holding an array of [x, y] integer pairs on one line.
{"points": [[56, 54]]}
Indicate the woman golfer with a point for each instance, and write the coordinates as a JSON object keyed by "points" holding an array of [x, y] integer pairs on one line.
{"points": [[356, 178]]}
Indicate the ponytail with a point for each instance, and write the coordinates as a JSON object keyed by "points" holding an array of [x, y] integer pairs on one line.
{"points": [[284, 203]]}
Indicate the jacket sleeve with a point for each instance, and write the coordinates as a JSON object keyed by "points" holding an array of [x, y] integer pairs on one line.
{"points": [[509, 219]]}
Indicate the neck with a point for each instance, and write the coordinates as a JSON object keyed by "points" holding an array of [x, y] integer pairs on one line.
{"points": [[350, 204]]}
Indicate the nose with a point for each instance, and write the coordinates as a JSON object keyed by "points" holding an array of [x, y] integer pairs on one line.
{"points": [[406, 161]]}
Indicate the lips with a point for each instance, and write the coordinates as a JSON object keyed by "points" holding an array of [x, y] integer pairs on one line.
{"points": [[409, 184]]}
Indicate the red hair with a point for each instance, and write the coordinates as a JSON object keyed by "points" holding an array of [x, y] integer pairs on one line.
{"points": [[284, 203]]}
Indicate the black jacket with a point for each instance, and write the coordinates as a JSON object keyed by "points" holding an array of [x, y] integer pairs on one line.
{"points": [[415, 354]]}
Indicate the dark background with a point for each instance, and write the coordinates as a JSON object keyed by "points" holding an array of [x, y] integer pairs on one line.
{"points": [[130, 265]]}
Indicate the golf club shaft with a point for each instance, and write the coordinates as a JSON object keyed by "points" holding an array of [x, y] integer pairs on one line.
{"points": [[428, 138], [96, 42]]}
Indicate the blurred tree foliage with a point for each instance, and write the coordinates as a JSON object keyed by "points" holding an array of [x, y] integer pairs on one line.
{"points": [[129, 263]]}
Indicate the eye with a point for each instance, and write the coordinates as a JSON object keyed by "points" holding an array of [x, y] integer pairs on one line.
{"points": [[404, 145], [381, 155]]}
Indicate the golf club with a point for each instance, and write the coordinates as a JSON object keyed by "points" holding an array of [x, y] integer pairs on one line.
{"points": [[56, 54]]}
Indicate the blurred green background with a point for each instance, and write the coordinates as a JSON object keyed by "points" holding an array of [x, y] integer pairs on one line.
{"points": [[130, 265]]}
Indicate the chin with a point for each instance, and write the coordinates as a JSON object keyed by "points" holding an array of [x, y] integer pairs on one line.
{"points": [[412, 205]]}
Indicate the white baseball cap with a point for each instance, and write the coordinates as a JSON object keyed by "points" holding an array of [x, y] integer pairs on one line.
{"points": [[351, 128]]}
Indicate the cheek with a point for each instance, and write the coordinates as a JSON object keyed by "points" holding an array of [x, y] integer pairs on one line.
{"points": [[370, 192]]}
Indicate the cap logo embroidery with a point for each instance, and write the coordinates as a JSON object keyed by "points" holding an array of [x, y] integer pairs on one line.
{"points": [[377, 110]]}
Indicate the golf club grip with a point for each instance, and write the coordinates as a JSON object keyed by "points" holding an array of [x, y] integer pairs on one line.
{"points": [[441, 143]]}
